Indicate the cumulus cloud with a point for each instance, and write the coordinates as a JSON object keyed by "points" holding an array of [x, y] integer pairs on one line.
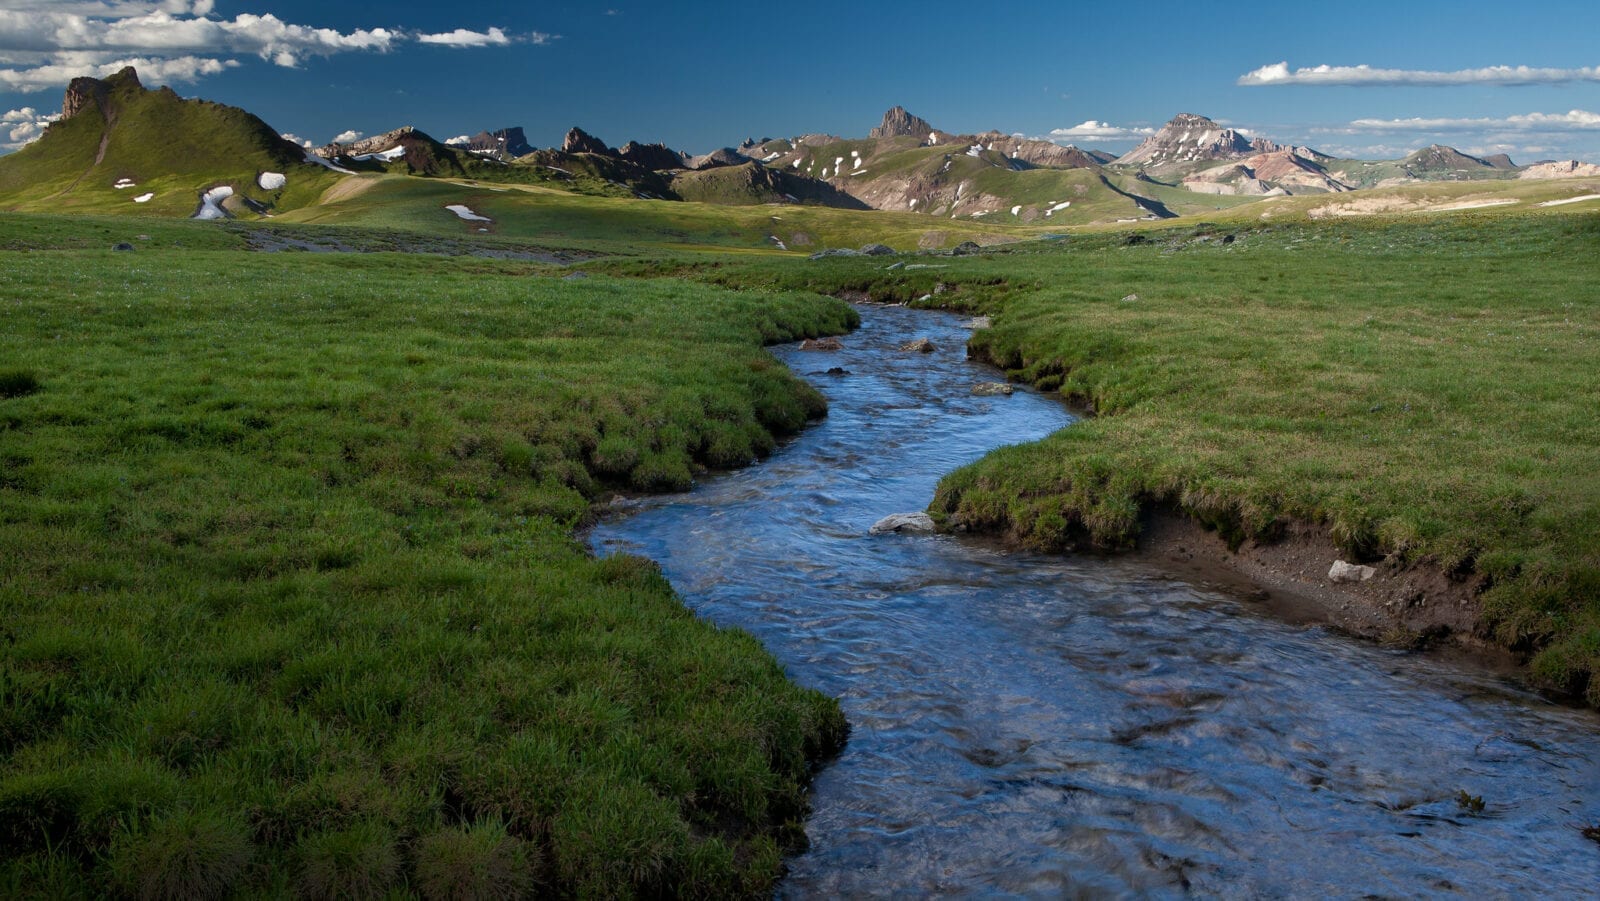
{"points": [[1101, 131], [20, 127], [41, 39], [345, 137], [1281, 74], [162, 70]]}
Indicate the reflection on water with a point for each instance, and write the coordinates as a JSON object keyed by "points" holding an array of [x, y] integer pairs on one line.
{"points": [[1040, 725]]}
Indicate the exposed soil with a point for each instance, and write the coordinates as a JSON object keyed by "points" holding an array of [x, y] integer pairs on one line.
{"points": [[1413, 605]]}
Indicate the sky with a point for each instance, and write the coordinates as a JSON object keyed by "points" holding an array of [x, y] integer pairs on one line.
{"points": [[1356, 79]]}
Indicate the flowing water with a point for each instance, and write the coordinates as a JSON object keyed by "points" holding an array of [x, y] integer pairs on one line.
{"points": [[1036, 725]]}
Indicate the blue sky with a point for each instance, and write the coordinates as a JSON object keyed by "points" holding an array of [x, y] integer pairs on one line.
{"points": [[1356, 79]]}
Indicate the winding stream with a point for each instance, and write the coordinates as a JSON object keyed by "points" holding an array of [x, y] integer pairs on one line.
{"points": [[1037, 725]]}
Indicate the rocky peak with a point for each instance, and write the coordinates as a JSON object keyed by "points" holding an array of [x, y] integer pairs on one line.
{"points": [[375, 144], [899, 123], [508, 143], [580, 141], [652, 156], [84, 92], [1189, 138]]}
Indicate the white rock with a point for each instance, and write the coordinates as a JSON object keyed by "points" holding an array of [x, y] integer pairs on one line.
{"points": [[1349, 572], [904, 522]]}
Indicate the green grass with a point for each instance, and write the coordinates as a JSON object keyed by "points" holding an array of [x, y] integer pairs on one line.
{"points": [[1421, 385], [290, 603], [638, 227]]}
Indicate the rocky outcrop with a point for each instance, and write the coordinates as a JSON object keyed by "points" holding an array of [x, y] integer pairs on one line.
{"points": [[580, 141], [657, 157], [898, 123], [1190, 138], [505, 143], [375, 144], [1285, 171], [1562, 169]]}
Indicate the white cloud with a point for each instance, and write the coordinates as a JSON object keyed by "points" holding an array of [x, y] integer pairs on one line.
{"points": [[461, 37], [345, 137], [1280, 74], [43, 41], [20, 127], [1101, 131], [1573, 120], [175, 70]]}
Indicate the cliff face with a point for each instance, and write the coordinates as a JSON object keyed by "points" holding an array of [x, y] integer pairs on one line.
{"points": [[899, 123], [83, 93]]}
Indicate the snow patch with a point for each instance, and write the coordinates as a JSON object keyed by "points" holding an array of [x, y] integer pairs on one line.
{"points": [[465, 212], [387, 156], [326, 164], [272, 181], [211, 203], [143, 198], [1571, 200]]}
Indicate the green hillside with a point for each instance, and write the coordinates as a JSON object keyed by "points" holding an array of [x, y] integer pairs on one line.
{"points": [[158, 144]]}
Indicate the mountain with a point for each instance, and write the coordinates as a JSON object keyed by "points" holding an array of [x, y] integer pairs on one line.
{"points": [[119, 146], [502, 144], [1189, 138], [897, 123], [1273, 173]]}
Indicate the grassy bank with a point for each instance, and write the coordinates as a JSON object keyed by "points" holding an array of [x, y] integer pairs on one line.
{"points": [[289, 601], [1421, 386]]}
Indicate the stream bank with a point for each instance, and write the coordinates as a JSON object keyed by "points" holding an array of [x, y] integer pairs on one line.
{"points": [[1035, 724]]}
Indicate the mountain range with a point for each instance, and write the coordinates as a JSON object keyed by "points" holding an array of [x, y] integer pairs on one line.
{"points": [[119, 146]]}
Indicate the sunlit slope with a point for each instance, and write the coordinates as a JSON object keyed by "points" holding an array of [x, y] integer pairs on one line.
{"points": [[559, 218], [129, 149]]}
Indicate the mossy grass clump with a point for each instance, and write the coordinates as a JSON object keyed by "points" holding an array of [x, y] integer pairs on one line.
{"points": [[18, 383], [290, 601]]}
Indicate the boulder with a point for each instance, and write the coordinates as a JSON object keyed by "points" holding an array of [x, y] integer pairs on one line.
{"points": [[904, 522], [834, 252], [1349, 572], [921, 346], [991, 389], [822, 344], [877, 250]]}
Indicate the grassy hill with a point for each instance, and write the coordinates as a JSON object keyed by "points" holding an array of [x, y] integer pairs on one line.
{"points": [[157, 144]]}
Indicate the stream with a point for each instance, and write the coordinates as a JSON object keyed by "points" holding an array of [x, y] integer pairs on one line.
{"points": [[1038, 725]]}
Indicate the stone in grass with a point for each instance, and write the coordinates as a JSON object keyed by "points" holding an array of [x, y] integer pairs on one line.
{"points": [[921, 346], [904, 522], [991, 389], [1349, 572], [822, 344]]}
